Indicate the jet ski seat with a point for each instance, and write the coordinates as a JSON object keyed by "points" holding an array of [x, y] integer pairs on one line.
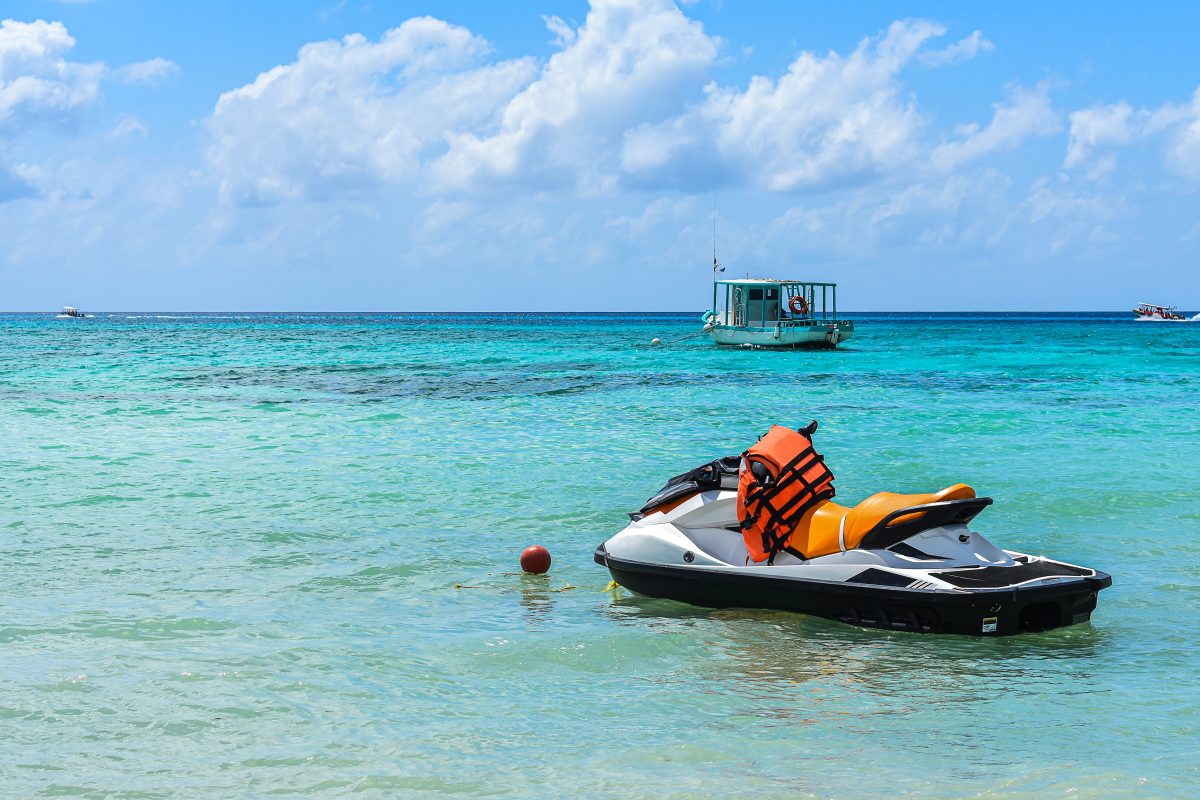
{"points": [[831, 528]]}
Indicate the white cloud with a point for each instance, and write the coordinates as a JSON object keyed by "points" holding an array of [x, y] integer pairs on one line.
{"points": [[564, 34], [147, 73], [1057, 217], [1097, 133], [329, 12], [963, 50], [655, 215], [1027, 113], [354, 113], [610, 109], [14, 185], [1183, 139], [37, 83], [940, 198], [418, 107], [442, 216], [128, 127], [951, 211], [829, 119], [631, 61]]}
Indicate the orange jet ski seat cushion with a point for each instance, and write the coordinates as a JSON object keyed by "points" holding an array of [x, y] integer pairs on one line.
{"points": [[821, 530]]}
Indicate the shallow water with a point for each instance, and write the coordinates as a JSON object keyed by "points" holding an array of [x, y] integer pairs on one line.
{"points": [[247, 555]]}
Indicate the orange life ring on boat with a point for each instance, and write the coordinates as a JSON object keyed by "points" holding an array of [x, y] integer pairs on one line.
{"points": [[798, 305]]}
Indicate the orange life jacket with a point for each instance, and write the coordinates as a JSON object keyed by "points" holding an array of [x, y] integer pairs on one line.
{"points": [[770, 504]]}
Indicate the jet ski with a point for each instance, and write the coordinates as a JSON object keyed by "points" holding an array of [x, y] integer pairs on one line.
{"points": [[762, 530]]}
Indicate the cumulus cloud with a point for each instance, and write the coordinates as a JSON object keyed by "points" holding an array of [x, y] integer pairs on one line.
{"points": [[420, 106], [829, 119], [1097, 127], [1028, 112], [37, 82], [629, 61], [147, 73], [1183, 139], [353, 113], [621, 104], [1097, 133]]}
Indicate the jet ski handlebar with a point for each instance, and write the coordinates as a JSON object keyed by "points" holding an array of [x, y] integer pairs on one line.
{"points": [[888, 531]]}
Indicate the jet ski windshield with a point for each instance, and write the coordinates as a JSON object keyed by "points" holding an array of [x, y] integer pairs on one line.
{"points": [[719, 474]]}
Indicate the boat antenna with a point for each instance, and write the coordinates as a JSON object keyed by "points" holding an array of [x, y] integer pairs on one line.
{"points": [[716, 267]]}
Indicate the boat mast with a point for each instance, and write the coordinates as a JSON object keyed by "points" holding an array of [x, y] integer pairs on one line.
{"points": [[715, 270]]}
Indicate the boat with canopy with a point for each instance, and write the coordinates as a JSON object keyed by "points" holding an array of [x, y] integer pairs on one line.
{"points": [[770, 312], [1149, 312]]}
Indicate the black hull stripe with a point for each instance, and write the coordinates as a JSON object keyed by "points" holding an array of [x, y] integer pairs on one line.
{"points": [[897, 608]]}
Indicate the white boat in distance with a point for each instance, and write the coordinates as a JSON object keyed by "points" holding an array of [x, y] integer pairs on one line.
{"points": [[70, 312], [1149, 312], [767, 312]]}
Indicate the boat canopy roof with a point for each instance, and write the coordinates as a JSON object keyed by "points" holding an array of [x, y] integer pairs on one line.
{"points": [[768, 282]]}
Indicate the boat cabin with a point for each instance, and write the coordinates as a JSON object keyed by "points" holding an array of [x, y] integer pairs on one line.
{"points": [[764, 303]]}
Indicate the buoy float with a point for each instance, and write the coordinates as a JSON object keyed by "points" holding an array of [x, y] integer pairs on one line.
{"points": [[656, 340], [535, 560]]}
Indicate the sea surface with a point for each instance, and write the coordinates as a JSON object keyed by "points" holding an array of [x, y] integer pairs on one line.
{"points": [[257, 555]]}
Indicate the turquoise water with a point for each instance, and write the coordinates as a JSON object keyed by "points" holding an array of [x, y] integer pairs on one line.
{"points": [[247, 556]]}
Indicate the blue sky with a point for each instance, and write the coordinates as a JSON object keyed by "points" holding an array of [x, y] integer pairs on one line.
{"points": [[567, 156]]}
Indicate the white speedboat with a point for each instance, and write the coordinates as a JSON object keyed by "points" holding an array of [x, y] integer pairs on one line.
{"points": [[1149, 312], [765, 312], [762, 531], [70, 312]]}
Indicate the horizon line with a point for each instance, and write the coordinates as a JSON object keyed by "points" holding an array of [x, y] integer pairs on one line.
{"points": [[527, 311]]}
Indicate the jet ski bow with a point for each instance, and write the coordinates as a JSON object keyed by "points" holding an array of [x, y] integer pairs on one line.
{"points": [[762, 531]]}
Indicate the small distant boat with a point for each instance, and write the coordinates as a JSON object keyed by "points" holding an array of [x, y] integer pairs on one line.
{"points": [[1149, 312], [69, 312], [767, 312]]}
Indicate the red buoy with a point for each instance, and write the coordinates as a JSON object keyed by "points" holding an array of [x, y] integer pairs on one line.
{"points": [[535, 559]]}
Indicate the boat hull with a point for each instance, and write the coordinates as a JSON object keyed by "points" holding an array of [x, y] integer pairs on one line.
{"points": [[787, 335], [979, 612]]}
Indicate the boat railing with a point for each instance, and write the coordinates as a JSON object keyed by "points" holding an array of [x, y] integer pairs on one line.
{"points": [[764, 304]]}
